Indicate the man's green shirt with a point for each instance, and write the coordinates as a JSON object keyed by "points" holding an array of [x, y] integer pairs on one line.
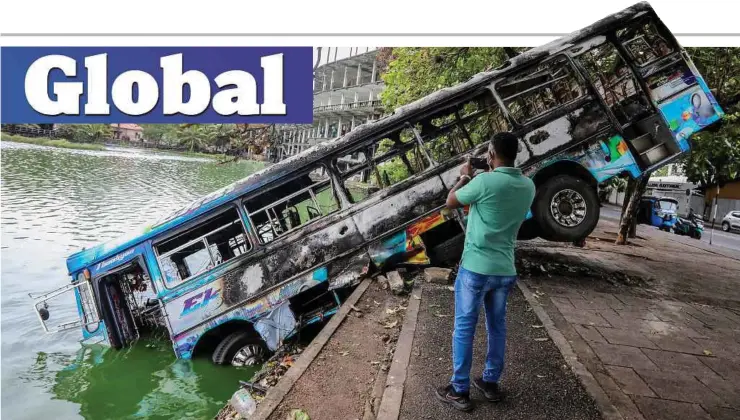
{"points": [[499, 201]]}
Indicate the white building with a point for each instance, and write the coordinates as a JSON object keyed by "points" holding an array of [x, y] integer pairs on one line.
{"points": [[347, 88]]}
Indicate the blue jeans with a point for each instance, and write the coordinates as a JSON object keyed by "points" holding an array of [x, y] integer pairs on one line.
{"points": [[470, 290]]}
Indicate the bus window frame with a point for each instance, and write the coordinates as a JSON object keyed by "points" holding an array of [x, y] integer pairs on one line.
{"points": [[195, 224], [662, 32], [306, 172], [542, 118]]}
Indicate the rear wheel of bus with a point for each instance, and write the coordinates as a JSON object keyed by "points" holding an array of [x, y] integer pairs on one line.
{"points": [[240, 349], [566, 208]]}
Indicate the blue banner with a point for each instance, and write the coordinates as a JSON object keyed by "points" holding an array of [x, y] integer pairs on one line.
{"points": [[262, 85]]}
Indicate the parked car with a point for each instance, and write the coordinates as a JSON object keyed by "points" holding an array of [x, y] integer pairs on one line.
{"points": [[731, 221]]}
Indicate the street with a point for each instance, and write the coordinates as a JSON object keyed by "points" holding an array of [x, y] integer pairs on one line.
{"points": [[720, 239]]}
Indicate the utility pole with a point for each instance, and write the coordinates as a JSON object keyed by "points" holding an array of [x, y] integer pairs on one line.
{"points": [[714, 214]]}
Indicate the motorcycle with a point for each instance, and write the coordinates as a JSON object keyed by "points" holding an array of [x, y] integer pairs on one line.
{"points": [[692, 226]]}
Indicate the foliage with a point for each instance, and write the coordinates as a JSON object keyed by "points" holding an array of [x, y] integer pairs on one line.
{"points": [[661, 171], [413, 72], [90, 133], [720, 68], [43, 141], [715, 157]]}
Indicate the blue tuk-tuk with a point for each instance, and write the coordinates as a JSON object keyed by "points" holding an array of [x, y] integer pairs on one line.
{"points": [[659, 212]]}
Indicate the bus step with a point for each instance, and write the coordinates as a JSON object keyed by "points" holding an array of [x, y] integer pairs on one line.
{"points": [[643, 143], [655, 154]]}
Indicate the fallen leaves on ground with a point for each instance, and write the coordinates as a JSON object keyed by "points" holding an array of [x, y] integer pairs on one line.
{"points": [[390, 324], [298, 415], [707, 352]]}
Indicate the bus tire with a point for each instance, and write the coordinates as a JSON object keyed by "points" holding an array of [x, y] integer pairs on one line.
{"points": [[566, 208], [240, 349], [449, 252]]}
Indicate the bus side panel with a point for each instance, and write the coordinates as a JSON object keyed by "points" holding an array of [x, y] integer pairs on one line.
{"points": [[184, 342], [331, 237], [603, 159], [218, 295], [387, 213]]}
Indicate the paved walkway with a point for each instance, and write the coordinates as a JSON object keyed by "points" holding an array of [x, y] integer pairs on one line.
{"points": [[540, 384], [666, 346]]}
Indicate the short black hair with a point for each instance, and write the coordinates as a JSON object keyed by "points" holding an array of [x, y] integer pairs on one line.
{"points": [[506, 145]]}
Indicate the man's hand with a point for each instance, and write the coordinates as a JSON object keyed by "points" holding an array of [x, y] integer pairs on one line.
{"points": [[467, 169]]}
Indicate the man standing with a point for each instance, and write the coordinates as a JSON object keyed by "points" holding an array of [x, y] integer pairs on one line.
{"points": [[499, 201]]}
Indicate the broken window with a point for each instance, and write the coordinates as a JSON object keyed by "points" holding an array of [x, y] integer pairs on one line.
{"points": [[540, 89], [615, 83], [395, 158], [296, 203], [202, 247], [644, 43]]}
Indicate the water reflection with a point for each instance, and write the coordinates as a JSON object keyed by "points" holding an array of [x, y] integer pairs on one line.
{"points": [[140, 382], [55, 202]]}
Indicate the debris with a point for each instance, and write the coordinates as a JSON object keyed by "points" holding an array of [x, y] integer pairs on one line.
{"points": [[451, 288], [417, 297], [297, 414], [354, 308], [437, 275], [390, 324], [395, 281], [243, 403], [434, 305], [707, 352], [390, 311], [541, 339], [538, 326], [376, 303], [385, 338], [439, 315], [374, 363], [344, 353], [540, 376]]}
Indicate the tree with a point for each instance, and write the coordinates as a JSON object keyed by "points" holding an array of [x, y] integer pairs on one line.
{"points": [[412, 73]]}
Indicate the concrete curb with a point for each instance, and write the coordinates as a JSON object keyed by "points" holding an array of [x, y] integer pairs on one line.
{"points": [[390, 404], [603, 403], [275, 395]]}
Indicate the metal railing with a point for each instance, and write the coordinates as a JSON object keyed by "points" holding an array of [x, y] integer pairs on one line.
{"points": [[348, 106]]}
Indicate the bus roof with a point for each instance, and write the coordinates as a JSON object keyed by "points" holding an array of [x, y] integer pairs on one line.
{"points": [[275, 172]]}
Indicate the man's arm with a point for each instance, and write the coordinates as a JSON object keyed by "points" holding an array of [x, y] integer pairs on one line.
{"points": [[452, 201]]}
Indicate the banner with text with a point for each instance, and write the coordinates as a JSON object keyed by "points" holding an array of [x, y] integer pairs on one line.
{"points": [[261, 85]]}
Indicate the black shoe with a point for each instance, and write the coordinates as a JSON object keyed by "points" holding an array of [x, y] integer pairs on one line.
{"points": [[490, 390], [447, 394]]}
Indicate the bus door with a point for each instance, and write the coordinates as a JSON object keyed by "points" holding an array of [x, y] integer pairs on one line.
{"points": [[673, 84]]}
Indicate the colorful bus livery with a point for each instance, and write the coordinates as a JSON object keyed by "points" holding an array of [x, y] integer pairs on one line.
{"points": [[240, 270]]}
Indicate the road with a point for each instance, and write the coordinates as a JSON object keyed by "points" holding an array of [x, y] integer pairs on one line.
{"points": [[722, 239]]}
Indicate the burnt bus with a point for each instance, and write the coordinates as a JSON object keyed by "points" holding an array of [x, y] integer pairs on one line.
{"points": [[237, 272]]}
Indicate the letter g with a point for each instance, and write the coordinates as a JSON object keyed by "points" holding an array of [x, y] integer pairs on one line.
{"points": [[68, 93]]}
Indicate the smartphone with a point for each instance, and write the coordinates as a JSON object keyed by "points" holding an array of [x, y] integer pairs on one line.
{"points": [[479, 163]]}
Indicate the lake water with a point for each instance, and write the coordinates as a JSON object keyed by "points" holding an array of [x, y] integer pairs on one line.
{"points": [[54, 202]]}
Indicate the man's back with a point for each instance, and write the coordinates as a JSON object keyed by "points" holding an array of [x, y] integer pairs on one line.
{"points": [[499, 201]]}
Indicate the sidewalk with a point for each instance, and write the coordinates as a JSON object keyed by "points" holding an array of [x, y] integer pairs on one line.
{"points": [[540, 384], [657, 322]]}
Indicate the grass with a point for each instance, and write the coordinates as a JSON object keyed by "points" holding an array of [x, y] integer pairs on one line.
{"points": [[43, 141]]}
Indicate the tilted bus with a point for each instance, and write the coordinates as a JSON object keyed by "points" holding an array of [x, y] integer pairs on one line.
{"points": [[241, 269]]}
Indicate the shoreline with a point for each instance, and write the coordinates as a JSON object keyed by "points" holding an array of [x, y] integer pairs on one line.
{"points": [[66, 144]]}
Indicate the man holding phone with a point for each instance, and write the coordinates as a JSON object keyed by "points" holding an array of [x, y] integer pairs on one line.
{"points": [[499, 200]]}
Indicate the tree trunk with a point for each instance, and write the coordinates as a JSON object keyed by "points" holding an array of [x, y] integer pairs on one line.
{"points": [[627, 193], [629, 215]]}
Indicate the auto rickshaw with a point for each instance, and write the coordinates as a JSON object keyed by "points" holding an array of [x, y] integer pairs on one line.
{"points": [[658, 211]]}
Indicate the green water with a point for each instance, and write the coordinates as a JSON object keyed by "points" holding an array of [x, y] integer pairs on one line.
{"points": [[55, 202]]}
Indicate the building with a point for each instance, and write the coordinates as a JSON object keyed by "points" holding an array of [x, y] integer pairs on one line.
{"points": [[346, 95], [728, 199], [128, 132]]}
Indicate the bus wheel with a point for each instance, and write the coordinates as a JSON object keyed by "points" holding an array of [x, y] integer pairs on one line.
{"points": [[449, 252], [240, 349], [567, 208]]}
